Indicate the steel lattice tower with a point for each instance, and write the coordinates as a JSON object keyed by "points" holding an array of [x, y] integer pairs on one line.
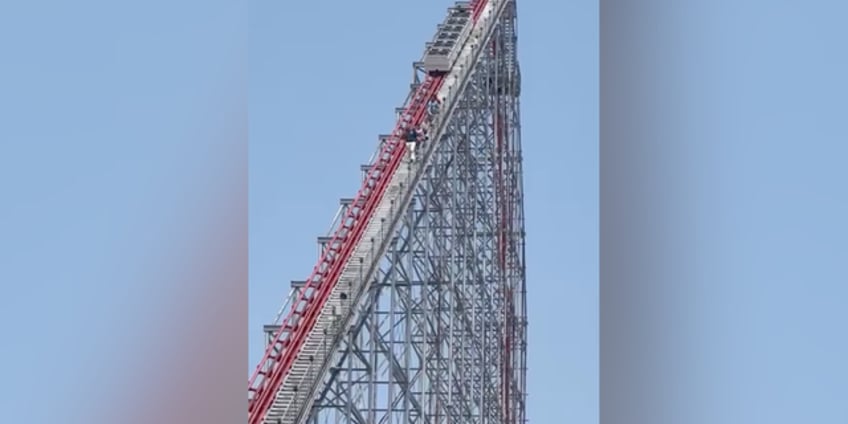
{"points": [[421, 316]]}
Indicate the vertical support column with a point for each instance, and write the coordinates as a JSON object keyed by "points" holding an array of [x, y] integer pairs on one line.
{"points": [[446, 344]]}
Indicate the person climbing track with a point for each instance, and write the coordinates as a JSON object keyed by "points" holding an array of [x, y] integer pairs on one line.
{"points": [[411, 137]]}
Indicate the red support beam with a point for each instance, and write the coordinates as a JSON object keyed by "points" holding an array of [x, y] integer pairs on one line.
{"points": [[281, 353], [477, 8], [272, 369]]}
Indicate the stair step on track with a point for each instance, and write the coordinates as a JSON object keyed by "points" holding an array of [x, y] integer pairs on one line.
{"points": [[303, 371], [288, 404]]}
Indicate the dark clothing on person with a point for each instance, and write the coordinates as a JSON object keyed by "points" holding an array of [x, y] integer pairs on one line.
{"points": [[411, 136]]}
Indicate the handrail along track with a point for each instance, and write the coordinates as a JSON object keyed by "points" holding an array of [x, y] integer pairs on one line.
{"points": [[273, 387]]}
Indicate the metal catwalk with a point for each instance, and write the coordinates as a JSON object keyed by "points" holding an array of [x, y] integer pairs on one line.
{"points": [[428, 323]]}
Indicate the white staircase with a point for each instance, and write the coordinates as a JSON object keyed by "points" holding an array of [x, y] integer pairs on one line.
{"points": [[296, 392], [295, 396]]}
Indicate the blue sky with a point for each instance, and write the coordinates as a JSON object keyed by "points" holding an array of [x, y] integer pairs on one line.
{"points": [[114, 119], [325, 78], [122, 135]]}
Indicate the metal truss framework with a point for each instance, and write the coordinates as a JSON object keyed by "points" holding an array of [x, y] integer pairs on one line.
{"points": [[441, 334]]}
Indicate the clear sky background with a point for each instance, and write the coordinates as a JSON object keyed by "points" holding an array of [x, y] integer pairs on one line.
{"points": [[123, 198], [325, 78], [123, 127]]}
